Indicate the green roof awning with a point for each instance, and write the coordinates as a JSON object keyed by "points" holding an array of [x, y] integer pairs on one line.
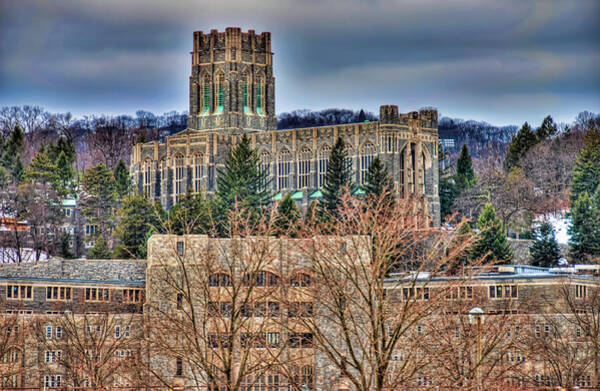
{"points": [[317, 194], [359, 191], [297, 195], [277, 196], [69, 202]]}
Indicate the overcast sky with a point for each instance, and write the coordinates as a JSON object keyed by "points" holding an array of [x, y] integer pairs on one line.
{"points": [[505, 61]]}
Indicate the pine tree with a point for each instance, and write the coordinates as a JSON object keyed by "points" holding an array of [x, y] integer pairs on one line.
{"points": [[491, 243], [586, 172], [585, 226], [464, 178], [11, 158], [288, 215], [241, 182], [544, 251], [547, 129], [361, 116], [137, 217], [338, 177], [98, 199], [378, 180], [42, 170], [122, 179], [519, 144], [193, 214], [65, 172], [100, 249]]}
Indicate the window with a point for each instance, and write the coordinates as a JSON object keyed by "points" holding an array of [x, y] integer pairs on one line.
{"points": [[127, 332], [284, 165], [303, 377], [219, 279], [388, 143], [273, 339], [179, 176], [91, 229], [117, 331], [323, 161], [300, 279], [132, 296], [265, 167], [199, 171], [261, 278], [220, 92], [304, 162], [245, 92], [58, 293], [49, 331], [97, 294], [300, 340], [206, 95], [58, 331], [259, 95], [148, 174], [367, 154], [416, 293], [179, 301], [52, 356], [179, 366], [11, 355], [500, 291], [302, 309], [52, 381], [67, 212], [180, 248], [580, 291], [22, 292]]}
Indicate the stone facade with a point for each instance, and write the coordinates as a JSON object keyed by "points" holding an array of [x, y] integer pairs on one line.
{"points": [[232, 91]]}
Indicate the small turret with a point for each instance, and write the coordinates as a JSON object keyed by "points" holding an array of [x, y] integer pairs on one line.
{"points": [[388, 114]]}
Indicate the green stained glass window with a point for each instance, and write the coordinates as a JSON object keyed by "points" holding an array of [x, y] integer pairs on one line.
{"points": [[220, 97], [206, 97], [259, 99], [245, 96]]}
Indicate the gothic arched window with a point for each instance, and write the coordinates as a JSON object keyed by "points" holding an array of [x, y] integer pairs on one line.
{"points": [[304, 160], [323, 161], [219, 93], [265, 166], [199, 171], [284, 166], [206, 95], [245, 97], [259, 94], [388, 143], [367, 154], [148, 176], [179, 164]]}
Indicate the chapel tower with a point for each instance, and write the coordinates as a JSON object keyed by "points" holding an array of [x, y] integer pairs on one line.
{"points": [[232, 88]]}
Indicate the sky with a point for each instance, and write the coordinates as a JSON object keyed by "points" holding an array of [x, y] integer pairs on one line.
{"points": [[504, 62]]}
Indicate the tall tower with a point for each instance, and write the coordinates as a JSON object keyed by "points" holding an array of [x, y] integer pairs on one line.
{"points": [[232, 88]]}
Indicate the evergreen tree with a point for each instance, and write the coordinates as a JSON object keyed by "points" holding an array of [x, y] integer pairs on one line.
{"points": [[98, 199], [122, 179], [586, 172], [447, 192], [585, 226], [547, 129], [338, 177], [64, 245], [137, 217], [11, 158], [544, 251], [241, 182], [288, 215], [491, 243], [464, 178], [378, 180], [65, 172], [519, 144], [361, 116], [42, 170], [193, 214], [100, 249]]}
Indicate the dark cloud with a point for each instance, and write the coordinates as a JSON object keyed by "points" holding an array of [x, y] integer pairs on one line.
{"points": [[502, 61]]}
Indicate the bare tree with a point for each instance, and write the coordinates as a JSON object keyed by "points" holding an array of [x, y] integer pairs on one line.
{"points": [[11, 349], [110, 140], [91, 349]]}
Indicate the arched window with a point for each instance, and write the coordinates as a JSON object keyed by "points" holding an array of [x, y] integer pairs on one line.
{"points": [[199, 171], [245, 97], [259, 94], [148, 176], [349, 162], [424, 168], [402, 174], [303, 377], [323, 161], [179, 175], [206, 95], [300, 279], [284, 166], [304, 162], [219, 279], [219, 92], [367, 154], [11, 355], [261, 278], [265, 166]]}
